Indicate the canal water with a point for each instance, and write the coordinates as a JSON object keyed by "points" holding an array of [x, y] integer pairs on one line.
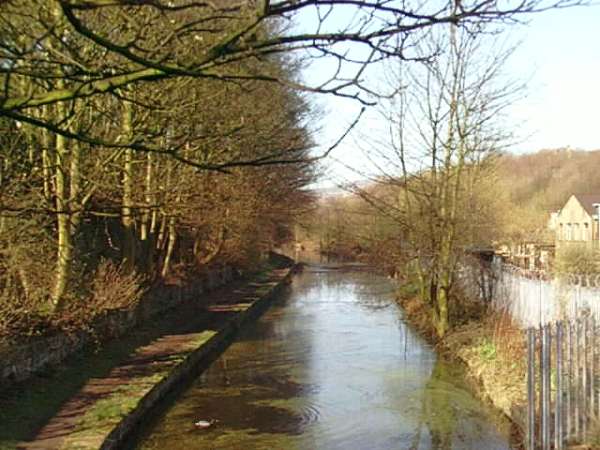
{"points": [[331, 365]]}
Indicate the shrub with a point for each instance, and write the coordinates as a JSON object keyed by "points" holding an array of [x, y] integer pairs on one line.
{"points": [[577, 260], [112, 288]]}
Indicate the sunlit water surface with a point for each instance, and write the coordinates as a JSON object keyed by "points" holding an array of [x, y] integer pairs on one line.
{"points": [[331, 365]]}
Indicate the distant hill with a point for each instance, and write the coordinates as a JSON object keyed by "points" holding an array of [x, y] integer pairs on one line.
{"points": [[535, 184], [328, 191], [517, 196]]}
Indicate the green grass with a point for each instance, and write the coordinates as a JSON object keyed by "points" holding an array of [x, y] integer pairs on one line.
{"points": [[106, 413], [487, 350], [27, 407], [408, 290]]}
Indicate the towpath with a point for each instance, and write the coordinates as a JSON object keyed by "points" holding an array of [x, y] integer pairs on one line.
{"points": [[79, 403]]}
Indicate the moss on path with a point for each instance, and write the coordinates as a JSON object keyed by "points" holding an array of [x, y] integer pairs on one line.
{"points": [[78, 404]]}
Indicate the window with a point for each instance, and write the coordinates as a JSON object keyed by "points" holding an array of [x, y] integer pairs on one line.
{"points": [[569, 234], [576, 232], [586, 232], [561, 232]]}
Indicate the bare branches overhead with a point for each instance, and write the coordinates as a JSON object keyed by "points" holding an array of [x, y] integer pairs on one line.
{"points": [[108, 44]]}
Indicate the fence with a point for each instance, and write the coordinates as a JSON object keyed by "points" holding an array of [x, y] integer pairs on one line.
{"points": [[562, 319], [563, 398], [532, 298]]}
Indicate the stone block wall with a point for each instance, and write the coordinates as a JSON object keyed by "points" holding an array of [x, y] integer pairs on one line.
{"points": [[19, 362]]}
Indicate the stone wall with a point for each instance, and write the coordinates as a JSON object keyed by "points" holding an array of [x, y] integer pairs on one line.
{"points": [[19, 362], [120, 436]]}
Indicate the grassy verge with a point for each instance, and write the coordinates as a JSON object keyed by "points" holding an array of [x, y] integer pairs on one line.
{"points": [[107, 395], [105, 414], [489, 344], [98, 422]]}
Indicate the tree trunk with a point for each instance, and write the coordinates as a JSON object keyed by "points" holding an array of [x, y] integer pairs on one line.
{"points": [[127, 220], [147, 225], [46, 163], [442, 323], [170, 247], [145, 221], [214, 250], [75, 187], [64, 249]]}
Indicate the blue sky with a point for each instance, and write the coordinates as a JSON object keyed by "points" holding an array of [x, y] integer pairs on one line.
{"points": [[560, 51], [559, 59]]}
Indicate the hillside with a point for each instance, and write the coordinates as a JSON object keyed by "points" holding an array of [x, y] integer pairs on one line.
{"points": [[533, 185]]}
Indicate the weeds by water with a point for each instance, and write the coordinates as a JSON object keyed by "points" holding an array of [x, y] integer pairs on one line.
{"points": [[490, 344]]}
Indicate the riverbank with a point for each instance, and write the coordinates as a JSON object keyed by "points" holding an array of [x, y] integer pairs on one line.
{"points": [[98, 400], [331, 365], [490, 348]]}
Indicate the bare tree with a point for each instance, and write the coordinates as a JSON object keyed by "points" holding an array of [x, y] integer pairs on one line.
{"points": [[445, 128], [88, 209], [107, 46]]}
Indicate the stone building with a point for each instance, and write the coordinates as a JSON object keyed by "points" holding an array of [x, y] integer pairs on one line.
{"points": [[577, 220]]}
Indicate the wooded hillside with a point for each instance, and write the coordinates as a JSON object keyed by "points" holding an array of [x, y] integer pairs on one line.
{"points": [[535, 184], [103, 195]]}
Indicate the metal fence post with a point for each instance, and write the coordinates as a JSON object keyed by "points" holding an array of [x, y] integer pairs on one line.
{"points": [[569, 378], [558, 405], [542, 385], [584, 386], [531, 332], [548, 387], [577, 380], [544, 388], [593, 366]]}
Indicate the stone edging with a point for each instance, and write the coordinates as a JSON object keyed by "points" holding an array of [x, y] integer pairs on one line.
{"points": [[182, 371], [19, 362]]}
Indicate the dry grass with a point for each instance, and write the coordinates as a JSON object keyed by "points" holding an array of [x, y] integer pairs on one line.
{"points": [[419, 316], [489, 344], [508, 337], [494, 351], [111, 289], [23, 316]]}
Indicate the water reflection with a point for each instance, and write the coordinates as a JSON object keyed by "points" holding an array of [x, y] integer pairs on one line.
{"points": [[330, 366]]}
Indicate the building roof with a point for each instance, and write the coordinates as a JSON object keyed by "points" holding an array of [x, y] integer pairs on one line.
{"points": [[587, 201]]}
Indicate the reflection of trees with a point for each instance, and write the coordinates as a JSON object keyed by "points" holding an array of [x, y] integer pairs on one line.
{"points": [[327, 284], [437, 414], [368, 290], [442, 420], [256, 388], [371, 291]]}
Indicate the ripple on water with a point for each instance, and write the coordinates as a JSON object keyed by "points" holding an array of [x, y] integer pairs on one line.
{"points": [[310, 413], [332, 366]]}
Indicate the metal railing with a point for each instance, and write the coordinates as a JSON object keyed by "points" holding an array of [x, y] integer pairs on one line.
{"points": [[533, 298], [562, 381]]}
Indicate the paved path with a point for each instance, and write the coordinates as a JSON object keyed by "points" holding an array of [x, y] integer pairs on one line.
{"points": [[78, 404]]}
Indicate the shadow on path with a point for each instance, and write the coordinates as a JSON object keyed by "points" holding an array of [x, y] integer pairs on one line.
{"points": [[41, 412]]}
